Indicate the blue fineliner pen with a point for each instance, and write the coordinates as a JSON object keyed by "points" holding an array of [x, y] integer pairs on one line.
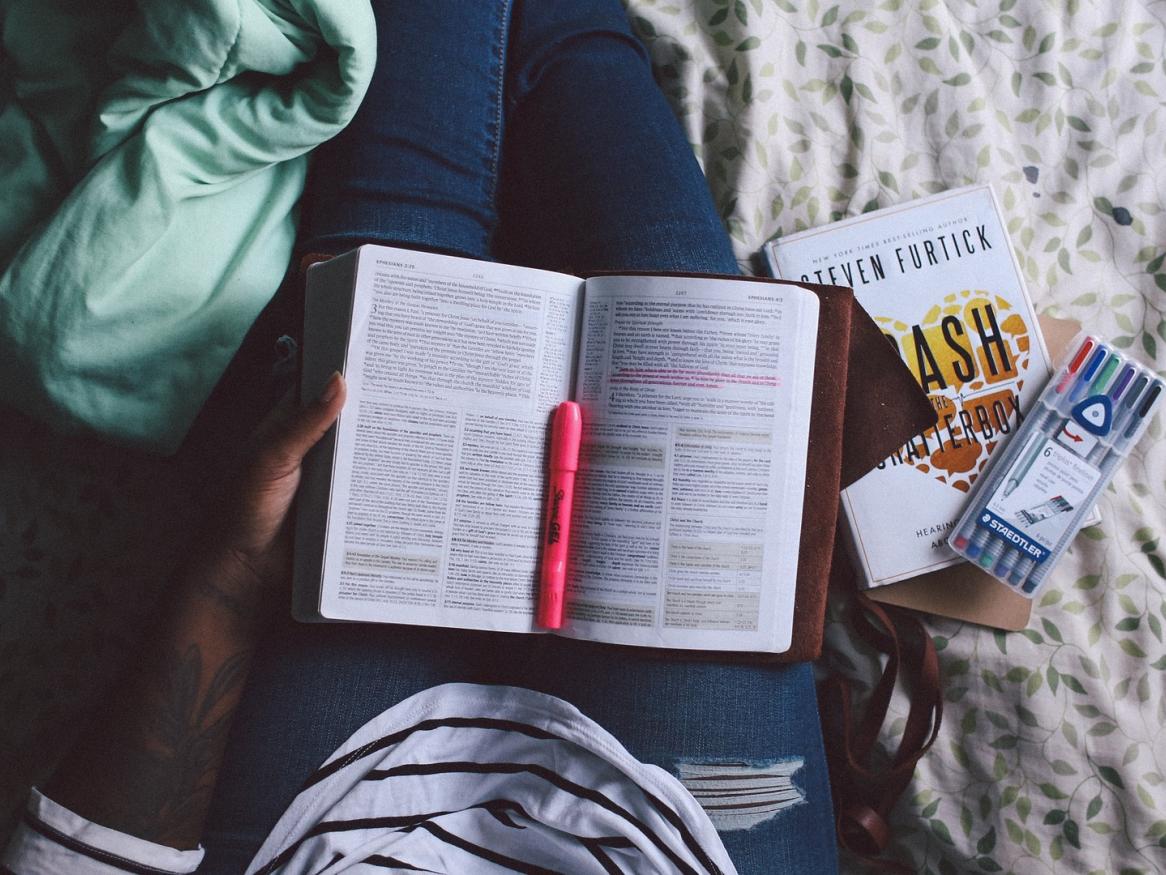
{"points": [[1086, 378]]}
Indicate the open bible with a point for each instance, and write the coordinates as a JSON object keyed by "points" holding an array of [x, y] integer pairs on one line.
{"points": [[424, 504]]}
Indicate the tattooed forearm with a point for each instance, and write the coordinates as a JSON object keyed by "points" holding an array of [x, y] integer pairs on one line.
{"points": [[181, 745], [149, 766], [148, 763]]}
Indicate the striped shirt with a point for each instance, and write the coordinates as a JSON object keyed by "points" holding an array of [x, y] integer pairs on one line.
{"points": [[462, 779]]}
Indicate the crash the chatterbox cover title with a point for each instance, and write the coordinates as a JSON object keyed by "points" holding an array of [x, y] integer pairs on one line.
{"points": [[940, 279]]}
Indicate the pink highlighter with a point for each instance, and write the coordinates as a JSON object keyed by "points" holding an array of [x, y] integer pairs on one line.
{"points": [[566, 435]]}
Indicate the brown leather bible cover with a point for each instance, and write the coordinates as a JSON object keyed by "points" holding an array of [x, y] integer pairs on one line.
{"points": [[866, 404]]}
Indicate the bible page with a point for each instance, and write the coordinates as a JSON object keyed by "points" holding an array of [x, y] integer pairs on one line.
{"points": [[696, 400], [453, 369]]}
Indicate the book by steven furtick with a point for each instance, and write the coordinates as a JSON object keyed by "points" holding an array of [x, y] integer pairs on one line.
{"points": [[940, 278]]}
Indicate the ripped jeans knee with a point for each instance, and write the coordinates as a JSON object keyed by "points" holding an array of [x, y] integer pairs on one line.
{"points": [[738, 794]]}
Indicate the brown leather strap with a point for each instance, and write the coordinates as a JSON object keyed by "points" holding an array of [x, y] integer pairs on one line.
{"points": [[864, 782]]}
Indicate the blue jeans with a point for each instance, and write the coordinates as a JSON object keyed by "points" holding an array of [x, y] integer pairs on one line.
{"points": [[531, 132], [525, 130]]}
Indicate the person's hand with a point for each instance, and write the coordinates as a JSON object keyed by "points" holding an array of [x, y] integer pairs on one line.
{"points": [[249, 550]]}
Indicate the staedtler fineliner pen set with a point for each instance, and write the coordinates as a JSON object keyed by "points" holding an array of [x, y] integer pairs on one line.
{"points": [[1036, 495]]}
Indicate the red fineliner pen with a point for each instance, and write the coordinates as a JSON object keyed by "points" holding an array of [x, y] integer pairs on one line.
{"points": [[566, 434]]}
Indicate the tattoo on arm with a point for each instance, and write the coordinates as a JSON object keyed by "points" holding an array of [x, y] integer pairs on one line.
{"points": [[149, 766], [182, 746]]}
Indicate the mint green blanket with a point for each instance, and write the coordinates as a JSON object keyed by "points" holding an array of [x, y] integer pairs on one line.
{"points": [[151, 158]]}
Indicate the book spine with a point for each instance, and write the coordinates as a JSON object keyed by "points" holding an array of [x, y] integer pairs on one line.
{"points": [[330, 290]]}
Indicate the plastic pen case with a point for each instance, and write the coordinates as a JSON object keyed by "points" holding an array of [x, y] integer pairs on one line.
{"points": [[1037, 493]]}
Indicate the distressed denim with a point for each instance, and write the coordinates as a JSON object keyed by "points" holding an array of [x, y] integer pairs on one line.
{"points": [[531, 132]]}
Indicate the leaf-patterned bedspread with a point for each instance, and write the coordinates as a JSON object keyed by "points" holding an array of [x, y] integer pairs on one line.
{"points": [[1052, 755]]}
